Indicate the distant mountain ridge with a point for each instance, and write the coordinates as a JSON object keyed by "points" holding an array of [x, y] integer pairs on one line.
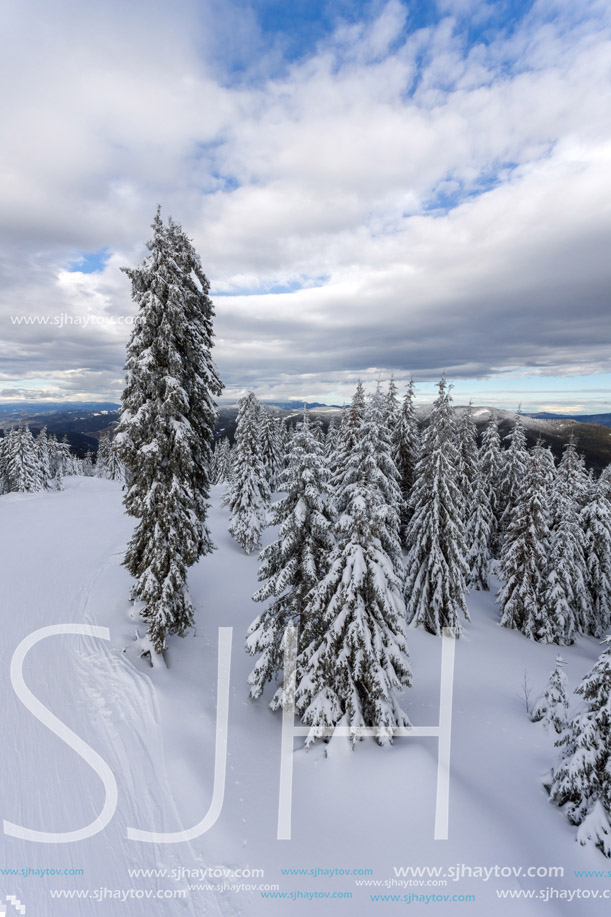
{"points": [[296, 405], [83, 423], [48, 407], [603, 419]]}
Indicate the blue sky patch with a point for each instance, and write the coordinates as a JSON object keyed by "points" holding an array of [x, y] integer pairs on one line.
{"points": [[301, 24], [275, 288], [90, 262], [452, 193]]}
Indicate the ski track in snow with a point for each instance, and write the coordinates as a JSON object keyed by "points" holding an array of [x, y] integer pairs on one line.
{"points": [[119, 718]]}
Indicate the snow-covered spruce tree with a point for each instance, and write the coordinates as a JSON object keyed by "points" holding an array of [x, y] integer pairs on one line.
{"points": [[271, 451], [60, 457], [357, 659], [22, 466], [490, 460], [59, 460], [581, 783], [566, 588], [294, 564], [436, 567], [317, 430], [3, 444], [572, 473], [248, 496], [69, 461], [558, 588], [331, 438], [332, 445], [407, 449], [88, 464], [43, 458], [282, 439], [166, 428], [56, 462], [282, 444], [102, 457], [222, 461], [468, 456], [288, 437], [549, 466], [479, 524], [524, 558], [596, 522], [604, 482], [552, 708], [349, 434], [392, 412], [514, 464], [388, 478], [115, 469], [214, 462]]}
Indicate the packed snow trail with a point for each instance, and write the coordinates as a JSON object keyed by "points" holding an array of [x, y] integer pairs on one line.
{"points": [[62, 554]]}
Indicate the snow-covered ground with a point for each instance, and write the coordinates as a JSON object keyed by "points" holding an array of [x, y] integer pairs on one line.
{"points": [[371, 809]]}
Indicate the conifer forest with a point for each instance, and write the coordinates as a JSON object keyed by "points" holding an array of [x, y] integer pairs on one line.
{"points": [[305, 458]]}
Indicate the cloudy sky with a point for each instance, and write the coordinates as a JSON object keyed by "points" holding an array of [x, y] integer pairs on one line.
{"points": [[373, 187]]}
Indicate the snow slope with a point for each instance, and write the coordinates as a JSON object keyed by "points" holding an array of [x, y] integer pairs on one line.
{"points": [[372, 809]]}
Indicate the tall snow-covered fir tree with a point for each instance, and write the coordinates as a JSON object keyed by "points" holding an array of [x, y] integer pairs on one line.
{"points": [[331, 439], [69, 461], [222, 461], [491, 462], [514, 465], [115, 470], [295, 562], [356, 663], [407, 448], [248, 495], [566, 587], [392, 412], [22, 464], [317, 430], [604, 482], [166, 427], [348, 437], [581, 783], [436, 567], [387, 481], [60, 459], [480, 522], [572, 473], [552, 708], [468, 457], [548, 467], [524, 558], [596, 522], [283, 440], [271, 448], [558, 587], [3, 444], [102, 456], [56, 461], [43, 458], [88, 464]]}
